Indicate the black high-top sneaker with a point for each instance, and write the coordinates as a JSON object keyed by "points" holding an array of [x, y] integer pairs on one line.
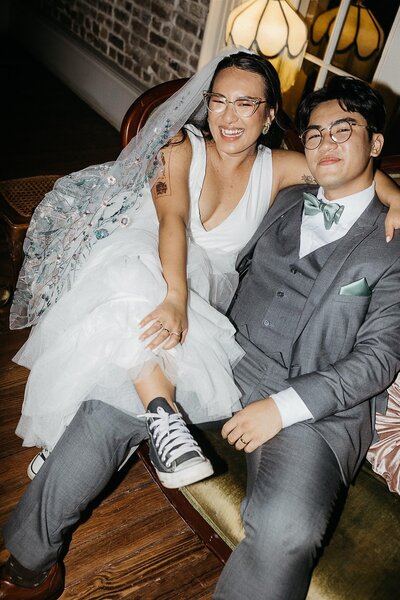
{"points": [[176, 456]]}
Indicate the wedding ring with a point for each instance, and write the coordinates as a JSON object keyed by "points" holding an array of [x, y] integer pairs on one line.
{"points": [[176, 333], [165, 329], [242, 440]]}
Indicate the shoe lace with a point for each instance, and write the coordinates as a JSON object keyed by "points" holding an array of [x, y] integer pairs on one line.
{"points": [[171, 435]]}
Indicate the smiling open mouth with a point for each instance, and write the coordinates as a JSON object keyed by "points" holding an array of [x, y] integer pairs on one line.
{"points": [[231, 132]]}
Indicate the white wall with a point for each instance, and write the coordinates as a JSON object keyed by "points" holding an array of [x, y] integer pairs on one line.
{"points": [[387, 75]]}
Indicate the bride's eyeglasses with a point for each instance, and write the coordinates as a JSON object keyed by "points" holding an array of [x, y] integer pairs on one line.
{"points": [[244, 107]]}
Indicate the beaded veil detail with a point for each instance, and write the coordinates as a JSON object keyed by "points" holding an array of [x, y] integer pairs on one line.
{"points": [[89, 205]]}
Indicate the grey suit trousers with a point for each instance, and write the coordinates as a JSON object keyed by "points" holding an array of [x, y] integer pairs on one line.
{"points": [[294, 481], [83, 461]]}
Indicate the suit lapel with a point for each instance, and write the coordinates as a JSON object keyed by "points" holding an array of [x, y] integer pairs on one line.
{"points": [[288, 199], [363, 227]]}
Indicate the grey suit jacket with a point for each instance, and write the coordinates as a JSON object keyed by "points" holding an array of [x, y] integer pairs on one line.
{"points": [[346, 350]]}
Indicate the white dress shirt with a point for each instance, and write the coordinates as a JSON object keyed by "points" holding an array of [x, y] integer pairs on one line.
{"points": [[313, 235]]}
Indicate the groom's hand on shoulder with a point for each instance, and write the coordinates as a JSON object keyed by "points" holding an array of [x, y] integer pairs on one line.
{"points": [[253, 425]]}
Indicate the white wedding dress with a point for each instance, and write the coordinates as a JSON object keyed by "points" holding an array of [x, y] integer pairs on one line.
{"points": [[87, 345]]}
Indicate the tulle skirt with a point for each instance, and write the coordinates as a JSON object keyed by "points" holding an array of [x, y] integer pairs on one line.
{"points": [[87, 345]]}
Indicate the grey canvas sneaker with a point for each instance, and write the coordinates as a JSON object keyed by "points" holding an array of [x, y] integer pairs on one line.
{"points": [[176, 456]]}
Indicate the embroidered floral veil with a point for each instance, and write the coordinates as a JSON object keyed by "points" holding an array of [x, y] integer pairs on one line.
{"points": [[89, 205]]}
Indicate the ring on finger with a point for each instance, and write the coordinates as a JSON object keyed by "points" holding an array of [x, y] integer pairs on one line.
{"points": [[165, 329], [160, 322], [242, 440], [179, 335]]}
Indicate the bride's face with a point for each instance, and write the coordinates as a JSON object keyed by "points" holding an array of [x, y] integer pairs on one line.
{"points": [[234, 133]]}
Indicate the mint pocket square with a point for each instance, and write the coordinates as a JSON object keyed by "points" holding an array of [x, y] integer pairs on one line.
{"points": [[356, 288]]}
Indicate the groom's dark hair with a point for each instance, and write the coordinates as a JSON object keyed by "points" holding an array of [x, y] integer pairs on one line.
{"points": [[352, 95]]}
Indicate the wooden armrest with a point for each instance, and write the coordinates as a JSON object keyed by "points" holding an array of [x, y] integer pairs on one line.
{"points": [[140, 110]]}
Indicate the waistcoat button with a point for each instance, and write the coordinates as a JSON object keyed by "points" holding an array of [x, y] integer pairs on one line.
{"points": [[280, 294], [293, 270], [266, 323]]}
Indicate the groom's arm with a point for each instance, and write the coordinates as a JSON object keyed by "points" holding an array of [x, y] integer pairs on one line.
{"points": [[371, 366], [368, 370]]}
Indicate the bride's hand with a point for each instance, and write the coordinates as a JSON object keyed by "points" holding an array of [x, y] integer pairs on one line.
{"points": [[392, 221], [169, 321]]}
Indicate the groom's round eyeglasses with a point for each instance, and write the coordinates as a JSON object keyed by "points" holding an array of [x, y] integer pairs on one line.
{"points": [[339, 132], [244, 107]]}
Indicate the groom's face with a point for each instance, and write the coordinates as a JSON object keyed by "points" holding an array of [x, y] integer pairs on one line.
{"points": [[342, 168]]}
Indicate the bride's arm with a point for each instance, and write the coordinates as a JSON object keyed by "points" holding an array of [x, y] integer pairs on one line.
{"points": [[388, 193], [290, 168], [171, 199]]}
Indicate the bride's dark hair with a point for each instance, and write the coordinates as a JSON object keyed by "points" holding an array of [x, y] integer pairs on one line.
{"points": [[260, 65]]}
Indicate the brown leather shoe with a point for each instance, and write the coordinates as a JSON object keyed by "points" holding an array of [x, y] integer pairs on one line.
{"points": [[50, 589]]}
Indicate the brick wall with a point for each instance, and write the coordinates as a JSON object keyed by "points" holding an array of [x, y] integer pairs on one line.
{"points": [[149, 41]]}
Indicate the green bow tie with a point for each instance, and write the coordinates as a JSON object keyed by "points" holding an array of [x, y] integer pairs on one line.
{"points": [[331, 210]]}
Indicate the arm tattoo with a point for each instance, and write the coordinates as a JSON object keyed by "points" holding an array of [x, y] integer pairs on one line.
{"points": [[161, 188], [163, 185], [308, 179]]}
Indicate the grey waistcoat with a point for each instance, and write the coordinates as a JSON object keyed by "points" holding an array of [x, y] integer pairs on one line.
{"points": [[277, 290]]}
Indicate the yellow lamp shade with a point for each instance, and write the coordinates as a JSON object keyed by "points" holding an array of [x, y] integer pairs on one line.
{"points": [[360, 41], [360, 29], [271, 28]]}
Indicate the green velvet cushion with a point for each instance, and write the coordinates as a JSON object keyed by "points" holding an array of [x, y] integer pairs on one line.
{"points": [[218, 498], [361, 561]]}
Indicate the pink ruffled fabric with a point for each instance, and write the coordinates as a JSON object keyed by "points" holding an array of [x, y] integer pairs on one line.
{"points": [[384, 455]]}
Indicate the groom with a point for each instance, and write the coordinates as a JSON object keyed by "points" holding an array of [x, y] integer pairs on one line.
{"points": [[321, 337], [321, 342]]}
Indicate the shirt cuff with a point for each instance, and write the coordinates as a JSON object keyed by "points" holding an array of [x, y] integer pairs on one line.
{"points": [[291, 406]]}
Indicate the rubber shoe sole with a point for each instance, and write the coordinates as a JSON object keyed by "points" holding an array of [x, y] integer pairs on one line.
{"points": [[177, 479]]}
